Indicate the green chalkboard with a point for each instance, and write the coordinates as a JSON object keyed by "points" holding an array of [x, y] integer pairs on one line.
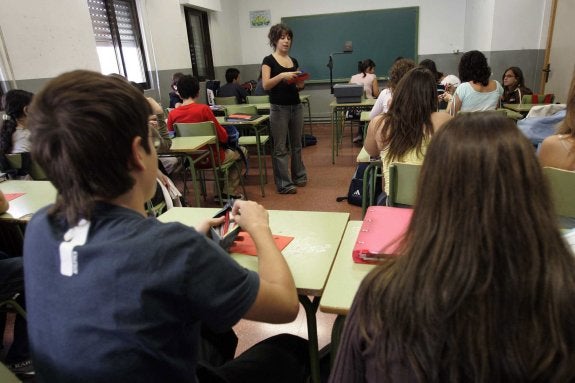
{"points": [[381, 35]]}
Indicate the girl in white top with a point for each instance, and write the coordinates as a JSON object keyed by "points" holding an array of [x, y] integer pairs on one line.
{"points": [[476, 92], [14, 135], [396, 72], [367, 78]]}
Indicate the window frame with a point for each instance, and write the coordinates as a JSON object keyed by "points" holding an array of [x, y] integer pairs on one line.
{"points": [[204, 41], [117, 41]]}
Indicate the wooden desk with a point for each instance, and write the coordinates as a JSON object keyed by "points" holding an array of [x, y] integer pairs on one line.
{"points": [[37, 194], [342, 283], [188, 146], [258, 126], [309, 256], [521, 108], [338, 120]]}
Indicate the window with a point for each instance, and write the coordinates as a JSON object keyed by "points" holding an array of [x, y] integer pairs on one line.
{"points": [[118, 39], [199, 43]]}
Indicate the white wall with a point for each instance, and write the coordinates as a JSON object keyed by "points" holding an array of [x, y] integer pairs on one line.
{"points": [[437, 33], [41, 42], [165, 32], [45, 38], [520, 24]]}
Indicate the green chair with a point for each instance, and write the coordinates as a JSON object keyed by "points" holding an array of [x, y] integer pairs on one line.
{"points": [[562, 185], [22, 162], [538, 98], [256, 139], [226, 100], [240, 108], [402, 184], [221, 171], [371, 176], [258, 99]]}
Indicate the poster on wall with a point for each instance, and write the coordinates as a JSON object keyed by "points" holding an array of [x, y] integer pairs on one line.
{"points": [[260, 19]]}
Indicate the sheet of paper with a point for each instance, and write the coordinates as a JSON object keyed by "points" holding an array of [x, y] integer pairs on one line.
{"points": [[11, 196], [244, 243]]}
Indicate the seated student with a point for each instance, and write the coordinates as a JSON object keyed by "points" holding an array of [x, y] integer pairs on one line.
{"points": [[14, 135], [113, 295], [260, 91], [233, 88], [367, 78], [448, 83], [399, 68], [476, 92], [558, 150], [190, 111], [403, 133], [11, 284], [483, 289], [513, 86], [175, 99]]}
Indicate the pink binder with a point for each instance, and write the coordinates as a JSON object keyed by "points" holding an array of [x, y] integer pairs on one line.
{"points": [[382, 229]]}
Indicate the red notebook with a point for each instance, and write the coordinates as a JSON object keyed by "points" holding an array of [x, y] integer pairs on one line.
{"points": [[382, 229]]}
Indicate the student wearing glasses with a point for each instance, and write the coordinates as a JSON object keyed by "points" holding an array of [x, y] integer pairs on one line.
{"points": [[114, 295], [513, 86]]}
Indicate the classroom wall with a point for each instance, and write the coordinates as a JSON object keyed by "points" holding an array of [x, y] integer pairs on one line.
{"points": [[39, 44]]}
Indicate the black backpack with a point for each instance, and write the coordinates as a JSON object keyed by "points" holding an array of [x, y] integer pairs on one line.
{"points": [[355, 191]]}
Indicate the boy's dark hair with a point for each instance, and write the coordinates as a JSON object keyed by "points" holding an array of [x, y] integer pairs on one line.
{"points": [[232, 74], [188, 87], [82, 128]]}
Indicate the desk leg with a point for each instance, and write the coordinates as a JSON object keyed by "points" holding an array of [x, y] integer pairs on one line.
{"points": [[336, 337], [333, 134], [216, 176], [311, 307], [258, 148]]}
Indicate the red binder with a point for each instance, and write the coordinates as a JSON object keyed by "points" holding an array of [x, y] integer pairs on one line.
{"points": [[382, 229]]}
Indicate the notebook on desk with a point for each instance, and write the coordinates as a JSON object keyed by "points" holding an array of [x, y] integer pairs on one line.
{"points": [[239, 117], [381, 232]]}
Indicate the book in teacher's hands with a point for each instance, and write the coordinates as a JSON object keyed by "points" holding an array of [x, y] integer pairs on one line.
{"points": [[381, 233]]}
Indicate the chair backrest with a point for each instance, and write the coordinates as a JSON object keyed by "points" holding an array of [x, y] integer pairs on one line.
{"points": [[232, 100], [258, 99], [538, 98], [562, 183], [247, 109], [191, 129], [23, 162], [371, 178], [402, 184]]}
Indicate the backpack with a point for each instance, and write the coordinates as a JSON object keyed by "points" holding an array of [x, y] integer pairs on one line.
{"points": [[233, 143], [308, 139], [355, 191]]}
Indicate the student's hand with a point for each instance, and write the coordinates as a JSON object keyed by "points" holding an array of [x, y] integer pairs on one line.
{"points": [[153, 121], [204, 226], [250, 215]]}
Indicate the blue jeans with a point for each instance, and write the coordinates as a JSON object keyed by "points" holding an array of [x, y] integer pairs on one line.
{"points": [[287, 124]]}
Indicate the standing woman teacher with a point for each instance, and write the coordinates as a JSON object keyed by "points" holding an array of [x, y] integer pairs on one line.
{"points": [[280, 78]]}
